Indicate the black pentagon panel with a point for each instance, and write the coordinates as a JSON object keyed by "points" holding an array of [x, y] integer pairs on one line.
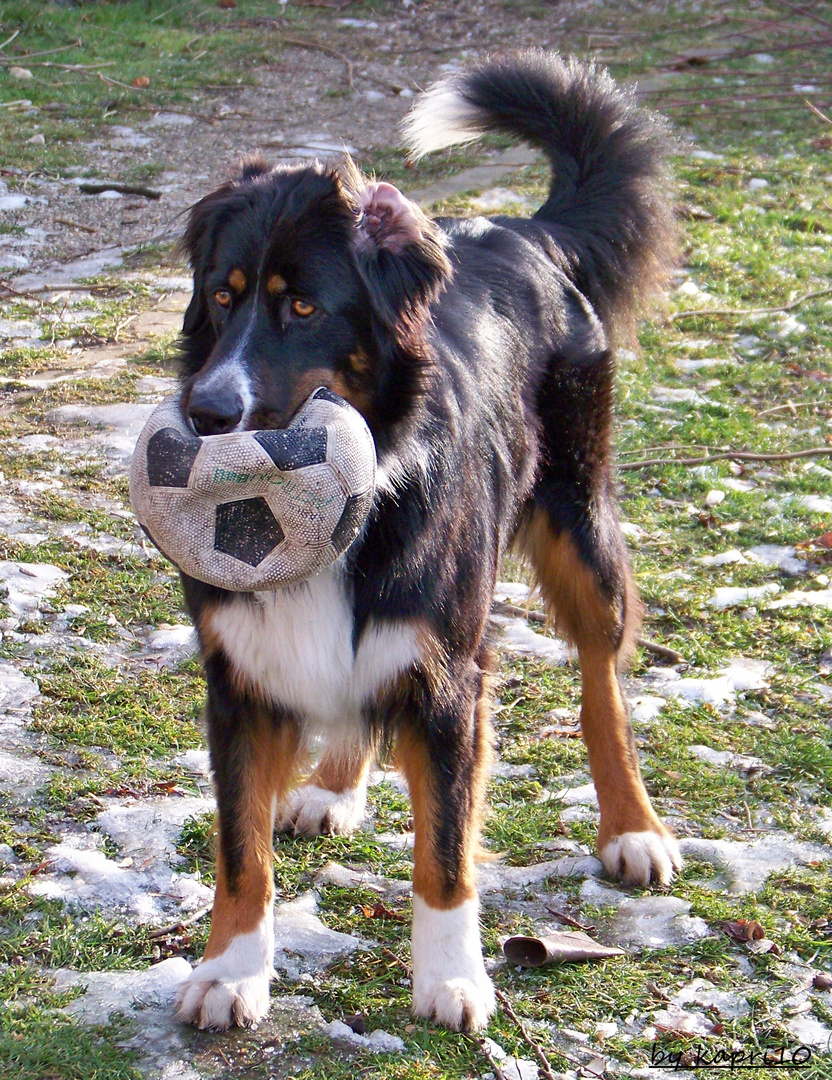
{"points": [[323, 394], [294, 448], [350, 522], [170, 457], [246, 530]]}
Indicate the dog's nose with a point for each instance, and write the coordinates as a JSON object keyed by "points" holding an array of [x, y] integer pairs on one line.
{"points": [[214, 411]]}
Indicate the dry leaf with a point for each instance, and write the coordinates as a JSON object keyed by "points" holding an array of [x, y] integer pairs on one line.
{"points": [[379, 911], [140, 82], [226, 4], [559, 947], [823, 541], [743, 930]]}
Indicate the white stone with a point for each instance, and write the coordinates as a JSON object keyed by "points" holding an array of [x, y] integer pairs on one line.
{"points": [[27, 584], [301, 940], [109, 992], [815, 504], [821, 598], [174, 637], [516, 636], [724, 558], [378, 1041], [654, 922], [495, 878], [669, 395], [745, 866], [644, 708], [701, 992], [741, 595], [13, 202], [16, 690], [743, 763], [784, 558]]}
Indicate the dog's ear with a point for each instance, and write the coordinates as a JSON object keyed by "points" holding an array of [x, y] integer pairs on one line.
{"points": [[400, 253], [197, 329]]}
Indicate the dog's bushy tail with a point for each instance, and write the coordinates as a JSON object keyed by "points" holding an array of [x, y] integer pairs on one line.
{"points": [[608, 207]]}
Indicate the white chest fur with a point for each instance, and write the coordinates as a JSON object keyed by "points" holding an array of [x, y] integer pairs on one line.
{"points": [[296, 647]]}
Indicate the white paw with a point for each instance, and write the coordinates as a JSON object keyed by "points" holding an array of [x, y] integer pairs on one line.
{"points": [[450, 984], [312, 811], [641, 857], [232, 988]]}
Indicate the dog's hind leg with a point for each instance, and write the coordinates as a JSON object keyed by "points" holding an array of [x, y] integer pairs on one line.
{"points": [[253, 754], [585, 579], [332, 801], [443, 747]]}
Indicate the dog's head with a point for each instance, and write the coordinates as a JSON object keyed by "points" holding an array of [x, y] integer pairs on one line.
{"points": [[304, 277]]}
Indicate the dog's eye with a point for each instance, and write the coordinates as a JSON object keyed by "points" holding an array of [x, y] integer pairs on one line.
{"points": [[301, 308], [223, 297]]}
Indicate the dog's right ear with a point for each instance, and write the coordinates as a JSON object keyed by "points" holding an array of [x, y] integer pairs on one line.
{"points": [[401, 254]]}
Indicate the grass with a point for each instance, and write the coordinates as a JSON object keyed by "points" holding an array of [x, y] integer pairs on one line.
{"points": [[112, 725]]}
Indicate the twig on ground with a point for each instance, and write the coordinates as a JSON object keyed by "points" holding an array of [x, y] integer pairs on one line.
{"points": [[182, 924], [8, 41], [817, 112], [392, 956], [520, 612], [790, 406], [75, 225], [588, 928], [728, 455], [64, 67], [541, 617], [482, 1046], [807, 12], [545, 1067], [660, 650], [73, 286], [303, 43], [27, 57], [728, 312], [96, 188]]}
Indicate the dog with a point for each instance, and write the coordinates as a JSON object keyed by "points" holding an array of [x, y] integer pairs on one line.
{"points": [[481, 353]]}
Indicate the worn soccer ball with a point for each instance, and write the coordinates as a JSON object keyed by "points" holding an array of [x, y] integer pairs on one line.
{"points": [[255, 509]]}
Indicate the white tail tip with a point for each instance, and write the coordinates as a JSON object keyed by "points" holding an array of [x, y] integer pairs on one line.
{"points": [[440, 118]]}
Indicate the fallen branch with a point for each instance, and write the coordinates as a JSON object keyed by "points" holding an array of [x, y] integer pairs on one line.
{"points": [[60, 67], [302, 43], [728, 455], [723, 312], [790, 406], [75, 225], [817, 112], [545, 1067], [541, 617], [8, 41], [26, 57], [69, 287], [482, 1046], [96, 188], [182, 924]]}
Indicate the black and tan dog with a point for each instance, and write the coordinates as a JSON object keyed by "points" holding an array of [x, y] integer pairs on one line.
{"points": [[480, 353]]}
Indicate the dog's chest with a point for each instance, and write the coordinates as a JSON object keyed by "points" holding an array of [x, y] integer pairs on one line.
{"points": [[295, 647]]}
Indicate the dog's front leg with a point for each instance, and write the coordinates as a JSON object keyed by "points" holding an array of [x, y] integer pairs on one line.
{"points": [[443, 747], [253, 751]]}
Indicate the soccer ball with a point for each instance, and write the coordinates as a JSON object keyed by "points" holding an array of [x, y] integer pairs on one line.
{"points": [[255, 509]]}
